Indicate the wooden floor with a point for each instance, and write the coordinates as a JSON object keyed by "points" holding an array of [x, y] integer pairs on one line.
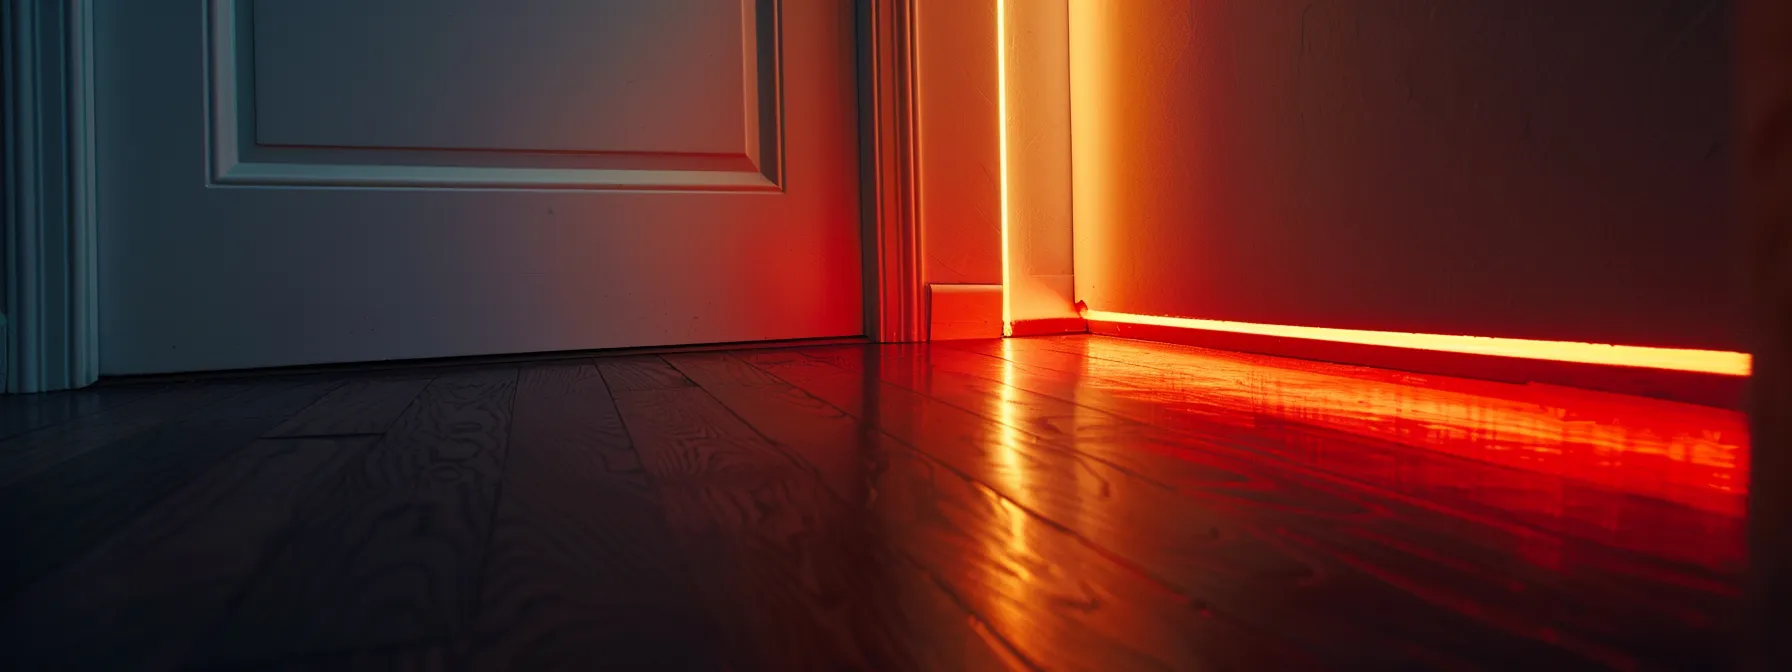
{"points": [[1049, 503]]}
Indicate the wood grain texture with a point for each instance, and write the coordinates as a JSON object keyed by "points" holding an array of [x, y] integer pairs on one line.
{"points": [[582, 570], [1293, 576], [1551, 577], [453, 433], [792, 579], [391, 547], [641, 373], [681, 433], [413, 657], [800, 424], [1073, 503], [20, 413], [1349, 426], [357, 407], [52, 517], [137, 601], [276, 399], [29, 454], [1049, 598], [88, 491]]}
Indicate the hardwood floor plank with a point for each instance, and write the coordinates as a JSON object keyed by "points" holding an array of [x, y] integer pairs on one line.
{"points": [[1061, 502], [145, 597], [801, 425], [425, 657], [56, 515], [277, 398], [1613, 570], [1056, 599], [689, 431], [1254, 570], [20, 413], [1181, 408], [365, 406], [1545, 586], [1599, 439], [32, 453], [792, 577], [639, 374], [389, 552], [582, 571], [453, 432]]}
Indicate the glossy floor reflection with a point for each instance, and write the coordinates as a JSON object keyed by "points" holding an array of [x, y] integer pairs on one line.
{"points": [[1068, 502], [1365, 424]]}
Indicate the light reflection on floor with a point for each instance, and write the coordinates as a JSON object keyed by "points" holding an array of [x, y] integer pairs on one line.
{"points": [[1663, 478], [1693, 455]]}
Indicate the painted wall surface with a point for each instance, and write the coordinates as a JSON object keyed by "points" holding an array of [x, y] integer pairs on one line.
{"points": [[1522, 168], [1040, 276], [960, 191], [1765, 83]]}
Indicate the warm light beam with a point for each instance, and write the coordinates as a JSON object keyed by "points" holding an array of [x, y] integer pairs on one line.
{"points": [[1002, 135], [1672, 359]]}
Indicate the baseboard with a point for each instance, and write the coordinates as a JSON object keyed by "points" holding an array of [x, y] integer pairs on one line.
{"points": [[1050, 326], [1697, 388], [958, 312]]}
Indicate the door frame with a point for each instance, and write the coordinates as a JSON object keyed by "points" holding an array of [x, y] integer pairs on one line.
{"points": [[889, 196], [51, 335], [49, 322]]}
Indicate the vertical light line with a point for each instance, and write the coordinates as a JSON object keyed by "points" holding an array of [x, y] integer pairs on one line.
{"points": [[1002, 134]]}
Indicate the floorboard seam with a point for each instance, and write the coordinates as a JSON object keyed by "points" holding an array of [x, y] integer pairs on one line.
{"points": [[476, 595], [655, 488], [270, 551], [1516, 526], [1120, 561], [313, 437]]}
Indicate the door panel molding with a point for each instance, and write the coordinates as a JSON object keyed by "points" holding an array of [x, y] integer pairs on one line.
{"points": [[51, 293], [240, 156]]}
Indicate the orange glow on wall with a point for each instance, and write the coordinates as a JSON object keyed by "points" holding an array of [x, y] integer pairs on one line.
{"points": [[1723, 363], [1671, 359]]}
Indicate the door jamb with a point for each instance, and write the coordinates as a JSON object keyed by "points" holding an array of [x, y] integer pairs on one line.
{"points": [[889, 171], [51, 303]]}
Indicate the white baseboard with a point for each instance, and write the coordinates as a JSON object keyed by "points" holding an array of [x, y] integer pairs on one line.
{"points": [[957, 312]]}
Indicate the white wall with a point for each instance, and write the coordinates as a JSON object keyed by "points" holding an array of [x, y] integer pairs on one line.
{"points": [[1040, 270]]}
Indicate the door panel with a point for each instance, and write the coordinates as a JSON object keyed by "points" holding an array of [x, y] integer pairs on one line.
{"points": [[289, 182], [530, 75]]}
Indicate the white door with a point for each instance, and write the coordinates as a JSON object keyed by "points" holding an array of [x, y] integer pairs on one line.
{"points": [[306, 181]]}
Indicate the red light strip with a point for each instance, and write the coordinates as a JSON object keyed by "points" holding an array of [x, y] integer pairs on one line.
{"points": [[1672, 359]]}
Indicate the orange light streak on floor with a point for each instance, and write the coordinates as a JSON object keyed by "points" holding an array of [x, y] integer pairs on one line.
{"points": [[1673, 359], [1519, 448], [1694, 455]]}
